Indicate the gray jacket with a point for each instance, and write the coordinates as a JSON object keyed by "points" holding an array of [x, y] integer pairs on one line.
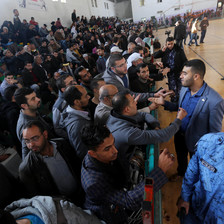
{"points": [[73, 121], [127, 131], [58, 108], [111, 78], [48, 209], [102, 113]]}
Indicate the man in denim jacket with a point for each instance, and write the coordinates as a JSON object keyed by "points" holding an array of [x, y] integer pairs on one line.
{"points": [[202, 193]]}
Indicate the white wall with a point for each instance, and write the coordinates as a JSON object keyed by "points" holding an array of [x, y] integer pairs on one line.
{"points": [[55, 10], [151, 7], [101, 10], [123, 10]]}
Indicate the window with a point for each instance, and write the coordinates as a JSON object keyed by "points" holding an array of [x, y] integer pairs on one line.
{"points": [[96, 3], [142, 2], [158, 1], [92, 3]]}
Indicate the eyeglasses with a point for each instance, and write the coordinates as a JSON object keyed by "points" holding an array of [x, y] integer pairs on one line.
{"points": [[120, 66], [33, 139]]}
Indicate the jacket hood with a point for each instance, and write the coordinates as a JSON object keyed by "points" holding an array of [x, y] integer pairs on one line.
{"points": [[72, 115], [117, 121]]}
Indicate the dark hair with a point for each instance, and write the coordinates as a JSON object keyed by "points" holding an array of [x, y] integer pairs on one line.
{"points": [[101, 48], [120, 101], [148, 33], [169, 39], [113, 59], [95, 83], [6, 217], [9, 92], [137, 49], [79, 69], [60, 83], [93, 135], [115, 39], [197, 66], [72, 93], [20, 95], [27, 62], [7, 74], [15, 10], [142, 65], [38, 124]]}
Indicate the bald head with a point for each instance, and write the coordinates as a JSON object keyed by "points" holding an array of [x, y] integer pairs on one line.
{"points": [[106, 93], [131, 47]]}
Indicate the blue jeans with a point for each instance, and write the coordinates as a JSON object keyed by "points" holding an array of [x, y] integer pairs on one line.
{"points": [[193, 37], [203, 32]]}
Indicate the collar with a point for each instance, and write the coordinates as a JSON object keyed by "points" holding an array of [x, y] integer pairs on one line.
{"points": [[127, 118], [82, 113], [104, 105], [200, 91]]}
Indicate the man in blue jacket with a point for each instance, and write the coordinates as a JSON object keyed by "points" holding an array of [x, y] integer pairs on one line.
{"points": [[204, 106], [202, 191]]}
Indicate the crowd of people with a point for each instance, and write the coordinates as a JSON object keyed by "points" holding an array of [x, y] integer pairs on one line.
{"points": [[76, 103]]}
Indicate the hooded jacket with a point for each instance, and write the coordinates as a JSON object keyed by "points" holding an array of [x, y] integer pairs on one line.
{"points": [[73, 121]]}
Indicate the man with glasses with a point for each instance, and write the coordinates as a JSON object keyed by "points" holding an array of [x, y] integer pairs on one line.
{"points": [[51, 167], [116, 74], [29, 103]]}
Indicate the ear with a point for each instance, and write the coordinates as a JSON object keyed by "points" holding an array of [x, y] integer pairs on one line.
{"points": [[62, 89], [45, 134], [126, 110], [196, 76], [95, 90], [113, 69], [77, 102], [138, 73], [92, 154], [24, 106]]}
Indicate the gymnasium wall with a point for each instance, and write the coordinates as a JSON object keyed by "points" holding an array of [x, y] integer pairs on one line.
{"points": [[55, 9], [158, 8]]}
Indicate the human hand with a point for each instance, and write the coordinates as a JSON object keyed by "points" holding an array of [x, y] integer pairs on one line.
{"points": [[166, 160], [183, 204], [164, 48], [157, 101], [164, 93], [181, 114], [160, 64], [166, 70], [153, 106], [136, 98]]}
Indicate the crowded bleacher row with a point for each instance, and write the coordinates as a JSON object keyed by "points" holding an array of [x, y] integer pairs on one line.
{"points": [[60, 88]]}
